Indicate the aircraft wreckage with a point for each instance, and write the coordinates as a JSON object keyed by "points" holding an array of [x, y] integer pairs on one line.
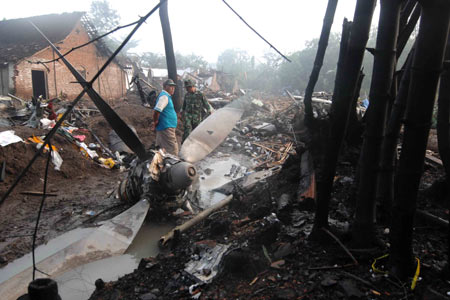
{"points": [[155, 180]]}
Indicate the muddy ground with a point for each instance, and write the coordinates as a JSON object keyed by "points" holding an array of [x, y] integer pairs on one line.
{"points": [[85, 191], [266, 228]]}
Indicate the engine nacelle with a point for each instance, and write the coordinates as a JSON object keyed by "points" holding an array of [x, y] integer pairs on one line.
{"points": [[159, 178]]}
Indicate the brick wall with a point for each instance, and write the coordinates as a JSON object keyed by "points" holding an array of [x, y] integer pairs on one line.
{"points": [[87, 60]]}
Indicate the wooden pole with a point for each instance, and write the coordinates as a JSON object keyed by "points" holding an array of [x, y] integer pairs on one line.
{"points": [[318, 62], [425, 72], [170, 56], [201, 216], [341, 106], [382, 76]]}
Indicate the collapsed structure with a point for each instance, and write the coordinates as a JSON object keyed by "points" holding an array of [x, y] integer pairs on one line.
{"points": [[27, 63]]}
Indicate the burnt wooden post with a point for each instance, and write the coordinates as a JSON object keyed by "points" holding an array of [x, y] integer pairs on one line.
{"points": [[321, 215], [425, 72], [384, 194], [407, 29], [318, 62], [443, 130], [443, 118], [382, 75], [170, 56], [341, 106]]}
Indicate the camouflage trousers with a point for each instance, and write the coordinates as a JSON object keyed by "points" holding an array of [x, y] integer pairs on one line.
{"points": [[189, 124]]}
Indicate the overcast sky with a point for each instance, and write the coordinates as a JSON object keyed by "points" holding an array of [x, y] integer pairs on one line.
{"points": [[208, 27]]}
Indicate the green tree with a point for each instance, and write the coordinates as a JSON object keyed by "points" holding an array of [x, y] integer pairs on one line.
{"points": [[103, 16], [153, 60], [236, 62], [190, 61], [156, 60], [264, 75]]}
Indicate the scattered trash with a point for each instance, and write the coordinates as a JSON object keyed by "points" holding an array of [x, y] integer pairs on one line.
{"points": [[57, 160], [9, 137]]}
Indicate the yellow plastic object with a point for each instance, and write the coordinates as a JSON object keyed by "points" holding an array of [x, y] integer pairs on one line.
{"points": [[109, 162], [375, 269], [38, 140], [416, 274]]}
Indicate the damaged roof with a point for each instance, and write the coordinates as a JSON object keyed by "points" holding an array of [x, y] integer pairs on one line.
{"points": [[18, 39]]}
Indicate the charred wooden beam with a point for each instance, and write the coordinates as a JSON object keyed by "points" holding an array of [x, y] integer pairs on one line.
{"points": [[384, 194], [318, 62], [405, 31], [382, 76], [170, 56], [342, 103], [425, 72]]}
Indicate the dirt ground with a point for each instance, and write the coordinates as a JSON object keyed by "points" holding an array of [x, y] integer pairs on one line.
{"points": [[82, 187], [270, 256]]}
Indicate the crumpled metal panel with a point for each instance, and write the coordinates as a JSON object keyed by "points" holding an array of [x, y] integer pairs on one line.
{"points": [[207, 266]]}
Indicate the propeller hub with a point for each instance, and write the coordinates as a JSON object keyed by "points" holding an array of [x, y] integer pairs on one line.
{"points": [[179, 176]]}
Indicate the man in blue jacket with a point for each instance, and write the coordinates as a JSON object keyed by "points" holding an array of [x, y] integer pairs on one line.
{"points": [[165, 119]]}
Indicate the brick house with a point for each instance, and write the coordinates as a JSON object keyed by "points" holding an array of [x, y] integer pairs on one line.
{"points": [[25, 67]]}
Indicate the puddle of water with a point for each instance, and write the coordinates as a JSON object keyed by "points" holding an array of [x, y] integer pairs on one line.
{"points": [[43, 251], [145, 244], [78, 283]]}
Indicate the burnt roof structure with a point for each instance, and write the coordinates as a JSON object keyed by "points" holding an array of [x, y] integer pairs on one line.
{"points": [[18, 39]]}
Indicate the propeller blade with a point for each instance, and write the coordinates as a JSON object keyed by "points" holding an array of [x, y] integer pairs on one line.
{"points": [[117, 124], [212, 131]]}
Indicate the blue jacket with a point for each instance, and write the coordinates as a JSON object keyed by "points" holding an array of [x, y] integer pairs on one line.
{"points": [[168, 117]]}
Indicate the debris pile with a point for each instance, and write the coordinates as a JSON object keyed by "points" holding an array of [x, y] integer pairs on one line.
{"points": [[265, 134]]}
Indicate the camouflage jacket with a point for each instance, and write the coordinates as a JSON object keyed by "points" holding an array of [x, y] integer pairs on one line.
{"points": [[195, 104]]}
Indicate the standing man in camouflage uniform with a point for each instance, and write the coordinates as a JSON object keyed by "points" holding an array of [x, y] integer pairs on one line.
{"points": [[195, 108]]}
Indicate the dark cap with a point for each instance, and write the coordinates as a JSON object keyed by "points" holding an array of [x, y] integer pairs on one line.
{"points": [[169, 82], [189, 83]]}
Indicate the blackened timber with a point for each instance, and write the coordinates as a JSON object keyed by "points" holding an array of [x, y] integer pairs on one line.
{"points": [[407, 8], [443, 118], [170, 56], [384, 194], [321, 216], [382, 76], [318, 62], [354, 128], [443, 132], [342, 104], [425, 72], [405, 31]]}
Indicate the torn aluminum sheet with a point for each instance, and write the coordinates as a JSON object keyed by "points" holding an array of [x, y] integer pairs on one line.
{"points": [[247, 181], [207, 267]]}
